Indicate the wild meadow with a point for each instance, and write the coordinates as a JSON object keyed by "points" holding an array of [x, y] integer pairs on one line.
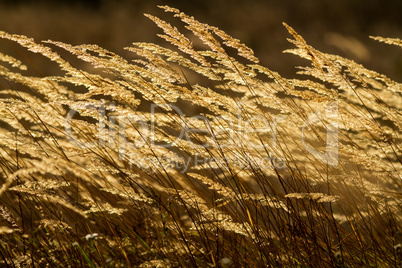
{"points": [[196, 154]]}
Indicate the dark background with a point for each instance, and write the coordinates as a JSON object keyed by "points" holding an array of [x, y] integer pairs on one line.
{"points": [[342, 27]]}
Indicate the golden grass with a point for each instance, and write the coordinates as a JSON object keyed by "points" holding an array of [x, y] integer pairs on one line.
{"points": [[198, 157]]}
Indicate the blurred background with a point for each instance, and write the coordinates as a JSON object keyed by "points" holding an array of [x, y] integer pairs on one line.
{"points": [[342, 27]]}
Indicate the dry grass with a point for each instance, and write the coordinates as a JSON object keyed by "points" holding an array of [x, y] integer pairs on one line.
{"points": [[198, 156]]}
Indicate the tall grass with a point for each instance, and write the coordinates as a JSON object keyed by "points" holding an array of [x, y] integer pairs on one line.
{"points": [[197, 155]]}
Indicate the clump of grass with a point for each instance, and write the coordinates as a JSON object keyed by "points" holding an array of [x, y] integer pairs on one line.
{"points": [[198, 156]]}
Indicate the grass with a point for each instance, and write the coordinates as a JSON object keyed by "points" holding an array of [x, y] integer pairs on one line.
{"points": [[197, 155]]}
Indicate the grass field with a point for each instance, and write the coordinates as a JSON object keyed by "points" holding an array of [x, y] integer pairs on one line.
{"points": [[193, 153]]}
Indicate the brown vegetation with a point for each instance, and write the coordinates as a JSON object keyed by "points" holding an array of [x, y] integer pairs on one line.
{"points": [[197, 156]]}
